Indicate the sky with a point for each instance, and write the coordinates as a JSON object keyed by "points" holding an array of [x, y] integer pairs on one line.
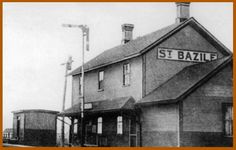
{"points": [[35, 43]]}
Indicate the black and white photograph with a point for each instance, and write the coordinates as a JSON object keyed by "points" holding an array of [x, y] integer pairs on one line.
{"points": [[117, 74]]}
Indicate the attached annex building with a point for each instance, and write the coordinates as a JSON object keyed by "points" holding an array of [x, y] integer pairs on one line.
{"points": [[172, 87]]}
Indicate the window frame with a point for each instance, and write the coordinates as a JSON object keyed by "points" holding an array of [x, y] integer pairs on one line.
{"points": [[80, 85], [101, 82], [126, 74], [119, 122], [225, 106], [99, 125]]}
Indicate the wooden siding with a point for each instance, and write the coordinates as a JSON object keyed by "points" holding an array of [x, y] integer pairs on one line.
{"points": [[160, 125], [37, 129], [159, 71], [75, 90], [41, 121], [39, 137], [113, 82], [202, 112]]}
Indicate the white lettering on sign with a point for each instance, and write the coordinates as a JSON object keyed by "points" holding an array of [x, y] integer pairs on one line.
{"points": [[88, 106], [185, 55]]}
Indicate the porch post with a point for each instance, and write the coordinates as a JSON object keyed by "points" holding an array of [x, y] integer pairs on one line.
{"points": [[72, 131], [78, 130]]}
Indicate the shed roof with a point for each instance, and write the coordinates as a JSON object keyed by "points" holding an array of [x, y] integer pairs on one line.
{"points": [[184, 82], [120, 103], [35, 111]]}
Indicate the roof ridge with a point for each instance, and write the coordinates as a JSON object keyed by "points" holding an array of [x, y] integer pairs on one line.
{"points": [[133, 43], [148, 34], [138, 46]]}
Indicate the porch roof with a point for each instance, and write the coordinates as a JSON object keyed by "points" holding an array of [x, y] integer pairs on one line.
{"points": [[184, 82], [107, 105]]}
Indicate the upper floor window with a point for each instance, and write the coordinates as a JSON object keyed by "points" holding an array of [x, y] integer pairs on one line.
{"points": [[80, 85], [228, 119], [119, 125], [99, 125], [126, 74], [100, 80]]}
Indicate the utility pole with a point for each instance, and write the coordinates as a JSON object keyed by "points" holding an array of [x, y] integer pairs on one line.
{"points": [[85, 33], [68, 67]]}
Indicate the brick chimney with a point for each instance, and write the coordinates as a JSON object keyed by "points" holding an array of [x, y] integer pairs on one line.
{"points": [[127, 32], [182, 11]]}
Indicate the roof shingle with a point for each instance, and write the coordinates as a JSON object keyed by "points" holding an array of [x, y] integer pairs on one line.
{"points": [[126, 50], [103, 105]]}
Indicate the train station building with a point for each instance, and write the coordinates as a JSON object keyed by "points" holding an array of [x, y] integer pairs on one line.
{"points": [[171, 87]]}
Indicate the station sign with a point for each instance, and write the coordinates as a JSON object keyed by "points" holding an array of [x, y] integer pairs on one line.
{"points": [[185, 55], [88, 106]]}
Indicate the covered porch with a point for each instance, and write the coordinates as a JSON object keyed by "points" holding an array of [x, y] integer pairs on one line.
{"points": [[110, 122]]}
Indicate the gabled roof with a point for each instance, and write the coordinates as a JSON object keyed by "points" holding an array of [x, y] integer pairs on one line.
{"points": [[142, 44], [184, 82], [120, 103], [123, 51]]}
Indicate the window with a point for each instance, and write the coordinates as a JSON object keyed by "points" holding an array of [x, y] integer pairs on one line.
{"points": [[80, 85], [101, 80], [119, 125], [76, 126], [126, 74], [228, 119], [99, 131]]}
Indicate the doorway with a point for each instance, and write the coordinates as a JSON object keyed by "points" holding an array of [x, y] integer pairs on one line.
{"points": [[132, 132], [18, 127]]}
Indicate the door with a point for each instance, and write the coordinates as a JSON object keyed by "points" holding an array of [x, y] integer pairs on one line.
{"points": [[132, 132], [18, 128], [90, 133]]}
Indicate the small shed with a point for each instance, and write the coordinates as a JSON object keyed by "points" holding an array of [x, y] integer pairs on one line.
{"points": [[35, 127]]}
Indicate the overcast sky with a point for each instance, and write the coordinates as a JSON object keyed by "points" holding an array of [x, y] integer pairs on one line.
{"points": [[35, 43]]}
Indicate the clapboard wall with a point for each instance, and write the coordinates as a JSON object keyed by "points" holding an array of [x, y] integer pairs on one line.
{"points": [[37, 127]]}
